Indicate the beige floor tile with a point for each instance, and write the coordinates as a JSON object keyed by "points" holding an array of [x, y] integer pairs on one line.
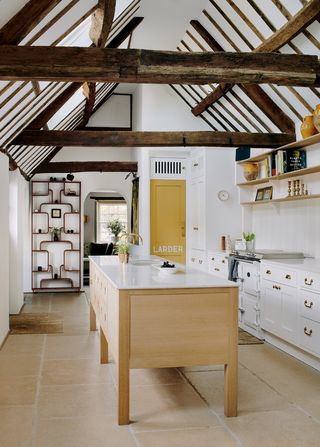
{"points": [[18, 390], [75, 325], [72, 346], [75, 372], [36, 308], [202, 437], [96, 431], [254, 395], [76, 400], [19, 365], [23, 344], [163, 376], [282, 428], [164, 407], [16, 426], [73, 304]]}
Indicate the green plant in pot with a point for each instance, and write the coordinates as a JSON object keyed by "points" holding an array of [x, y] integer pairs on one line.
{"points": [[115, 227], [123, 250], [249, 238], [55, 231]]}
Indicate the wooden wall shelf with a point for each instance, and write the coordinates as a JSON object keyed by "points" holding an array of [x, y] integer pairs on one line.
{"points": [[298, 173], [44, 250], [284, 199]]}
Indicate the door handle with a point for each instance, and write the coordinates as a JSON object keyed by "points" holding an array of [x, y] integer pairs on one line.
{"points": [[308, 333], [309, 306]]}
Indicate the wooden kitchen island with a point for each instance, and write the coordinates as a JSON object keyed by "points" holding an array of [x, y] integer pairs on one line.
{"points": [[150, 319]]}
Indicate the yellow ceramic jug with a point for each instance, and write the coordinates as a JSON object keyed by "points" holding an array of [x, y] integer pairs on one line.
{"points": [[316, 117], [307, 127]]}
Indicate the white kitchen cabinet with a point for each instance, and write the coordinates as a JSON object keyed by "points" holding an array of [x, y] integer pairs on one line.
{"points": [[218, 264], [198, 215], [279, 310]]}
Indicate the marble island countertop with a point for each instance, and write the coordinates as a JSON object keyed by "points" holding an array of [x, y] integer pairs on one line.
{"points": [[140, 273], [305, 264]]}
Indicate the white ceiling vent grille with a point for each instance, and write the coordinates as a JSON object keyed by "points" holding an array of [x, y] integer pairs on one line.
{"points": [[168, 168]]}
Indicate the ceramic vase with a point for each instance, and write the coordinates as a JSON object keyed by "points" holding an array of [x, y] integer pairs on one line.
{"points": [[307, 127], [250, 171], [316, 117]]}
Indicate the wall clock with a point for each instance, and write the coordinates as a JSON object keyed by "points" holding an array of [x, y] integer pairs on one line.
{"points": [[223, 195]]}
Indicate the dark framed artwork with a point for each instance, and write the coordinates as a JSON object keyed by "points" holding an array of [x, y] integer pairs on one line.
{"points": [[56, 213], [259, 194], [267, 194]]}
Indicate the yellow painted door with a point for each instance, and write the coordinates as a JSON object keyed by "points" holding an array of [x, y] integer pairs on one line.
{"points": [[168, 219]]}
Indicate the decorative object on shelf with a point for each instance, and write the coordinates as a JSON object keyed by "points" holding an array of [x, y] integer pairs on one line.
{"points": [[71, 192], [228, 244], [115, 227], [249, 239], [296, 159], [56, 201], [223, 243], [76, 211], [316, 117], [307, 127], [267, 193], [36, 211], [56, 213], [55, 233], [223, 195], [289, 188], [85, 218], [55, 276], [39, 268], [298, 188], [70, 177], [64, 179], [259, 194], [250, 171], [39, 231], [51, 179]]}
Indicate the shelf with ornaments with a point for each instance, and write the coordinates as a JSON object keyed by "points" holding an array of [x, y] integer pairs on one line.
{"points": [[56, 235]]}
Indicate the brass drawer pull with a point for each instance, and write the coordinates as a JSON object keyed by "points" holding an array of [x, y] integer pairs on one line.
{"points": [[309, 306], [200, 261], [288, 276], [195, 164], [308, 283], [268, 272], [276, 287], [217, 270], [308, 333], [196, 228]]}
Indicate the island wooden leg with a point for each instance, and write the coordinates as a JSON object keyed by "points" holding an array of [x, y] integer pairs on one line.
{"points": [[104, 358], [93, 321], [231, 389], [123, 360]]}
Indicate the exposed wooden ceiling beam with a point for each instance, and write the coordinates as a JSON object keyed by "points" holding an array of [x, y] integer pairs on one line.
{"points": [[255, 92], [25, 20], [90, 138], [89, 166], [280, 38], [155, 67]]}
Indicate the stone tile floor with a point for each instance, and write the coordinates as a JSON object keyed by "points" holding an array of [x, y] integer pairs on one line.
{"points": [[54, 393]]}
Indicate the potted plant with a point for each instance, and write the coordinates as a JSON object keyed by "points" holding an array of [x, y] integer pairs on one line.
{"points": [[249, 238], [124, 246], [115, 227], [55, 231], [123, 250]]}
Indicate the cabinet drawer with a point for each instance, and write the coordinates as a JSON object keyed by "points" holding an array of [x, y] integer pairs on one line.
{"points": [[218, 264], [198, 260], [309, 335], [283, 276], [310, 281], [309, 305]]}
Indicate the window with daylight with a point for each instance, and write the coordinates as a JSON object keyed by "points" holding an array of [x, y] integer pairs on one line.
{"points": [[107, 210]]}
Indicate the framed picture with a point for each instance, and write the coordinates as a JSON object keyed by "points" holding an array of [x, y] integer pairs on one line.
{"points": [[56, 213], [267, 195], [260, 194]]}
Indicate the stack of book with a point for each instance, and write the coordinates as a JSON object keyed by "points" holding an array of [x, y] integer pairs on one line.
{"points": [[283, 161]]}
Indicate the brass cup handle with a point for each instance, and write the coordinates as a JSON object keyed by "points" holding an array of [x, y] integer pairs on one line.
{"points": [[196, 228], [308, 333], [195, 164], [308, 283], [309, 306], [276, 287], [288, 276], [200, 261], [268, 272], [217, 270]]}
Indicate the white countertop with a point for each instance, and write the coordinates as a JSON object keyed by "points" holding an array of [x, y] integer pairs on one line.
{"points": [[145, 276], [306, 264]]}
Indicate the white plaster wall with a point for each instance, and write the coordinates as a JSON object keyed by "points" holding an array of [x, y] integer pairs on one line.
{"points": [[17, 231], [115, 112], [4, 247]]}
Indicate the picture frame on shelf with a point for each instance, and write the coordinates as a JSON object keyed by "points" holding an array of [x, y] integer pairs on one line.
{"points": [[259, 194], [267, 194], [56, 213]]}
